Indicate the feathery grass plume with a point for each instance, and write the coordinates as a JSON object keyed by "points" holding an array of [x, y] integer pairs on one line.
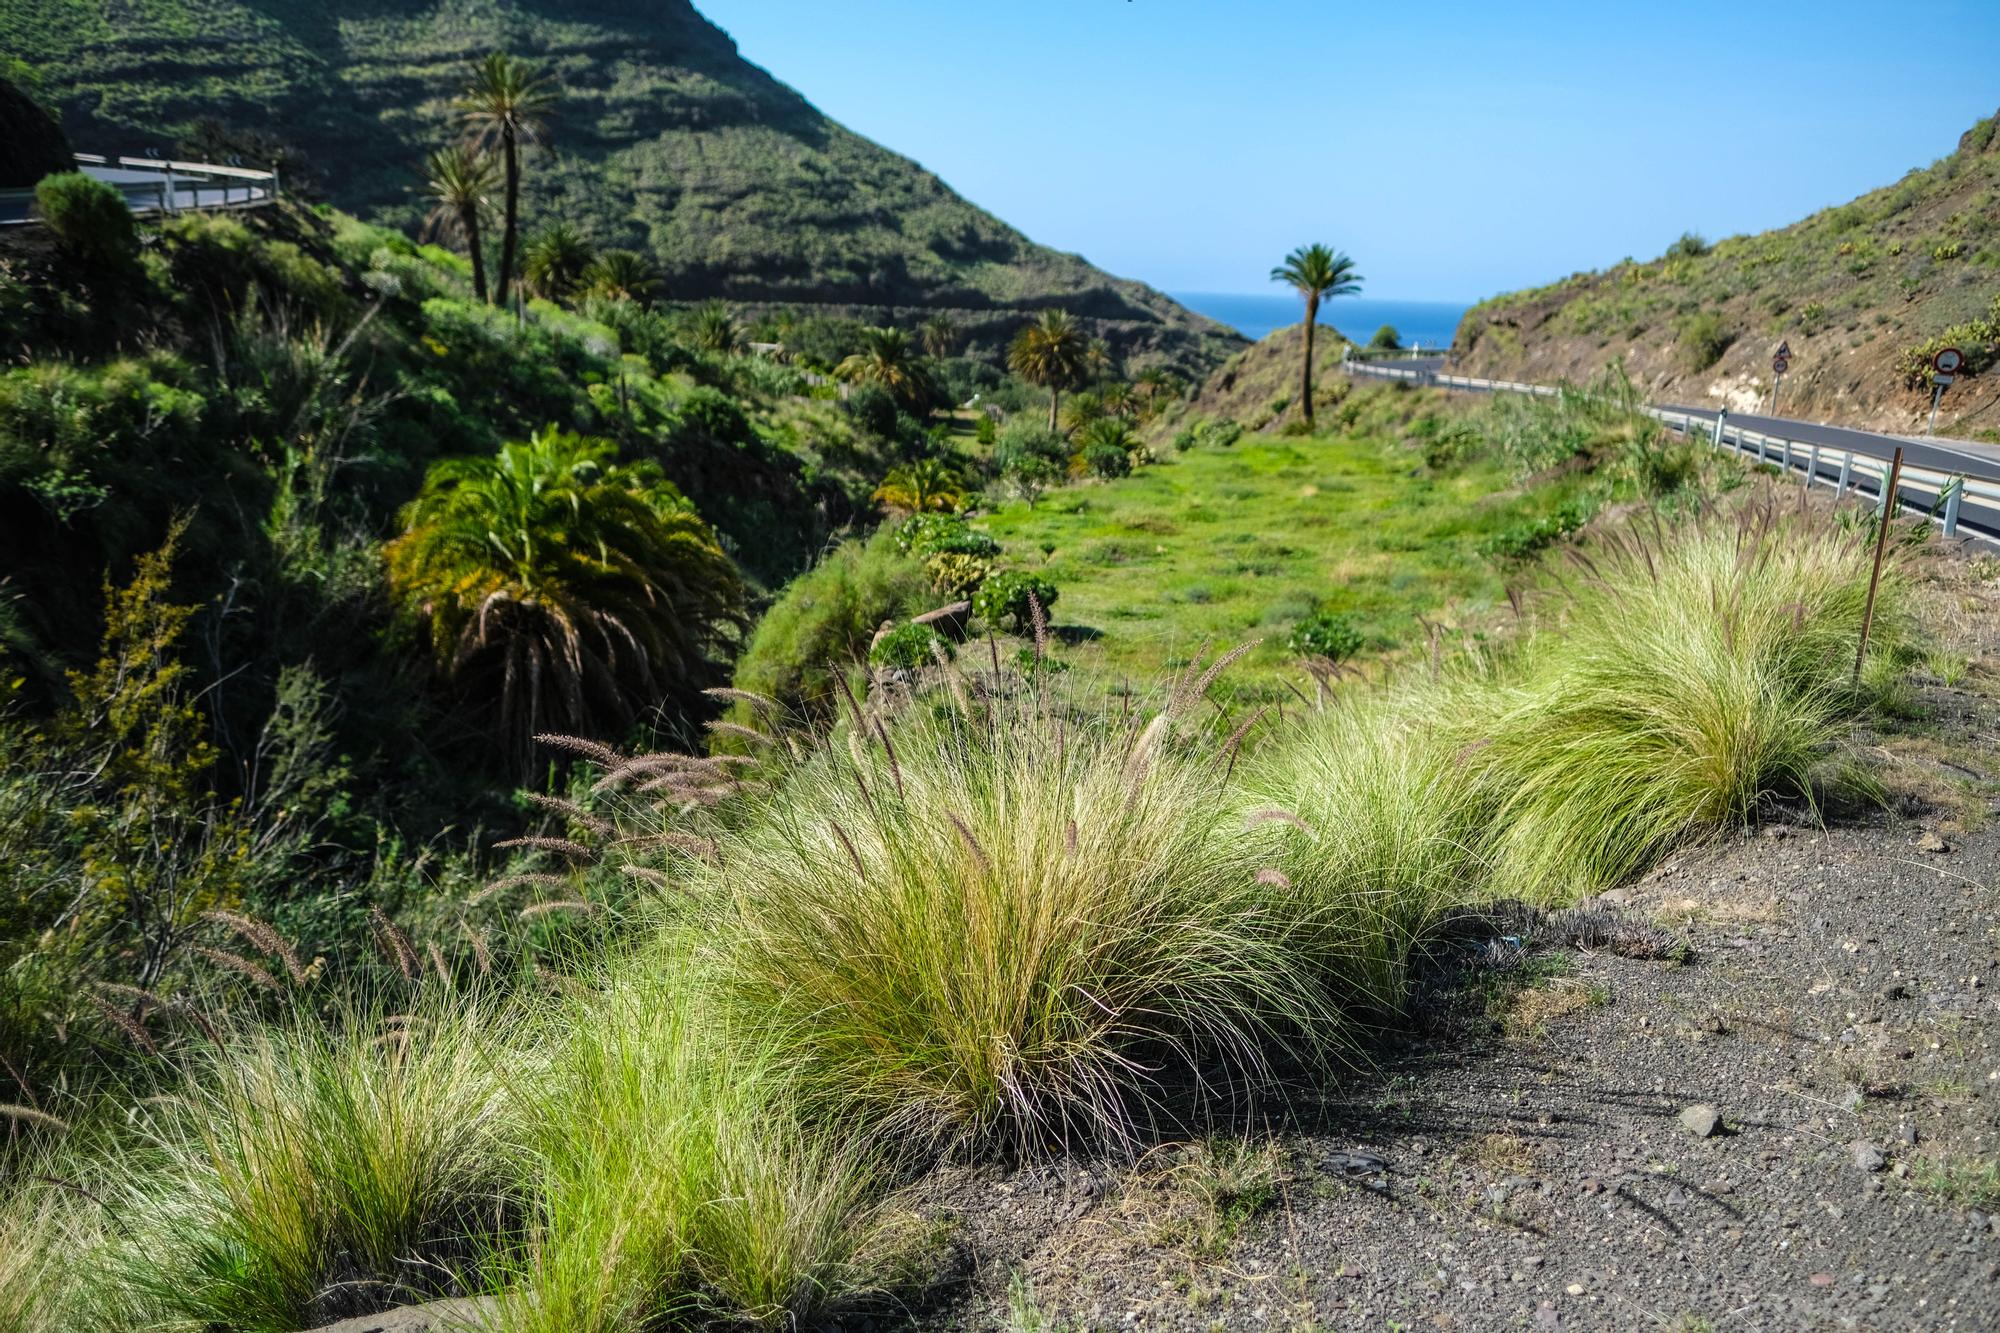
{"points": [[1018, 950], [720, 727], [560, 846], [305, 1172], [1038, 619], [595, 751], [533, 910], [262, 936], [28, 1115], [132, 1027], [676, 1180], [507, 882], [573, 812], [395, 945], [482, 953], [1695, 675], [1234, 743], [767, 706], [237, 963]]}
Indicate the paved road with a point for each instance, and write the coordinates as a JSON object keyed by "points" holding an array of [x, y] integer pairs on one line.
{"points": [[1979, 462], [142, 190]]}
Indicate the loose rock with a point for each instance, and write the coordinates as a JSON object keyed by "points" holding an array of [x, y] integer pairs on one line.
{"points": [[1701, 1120]]}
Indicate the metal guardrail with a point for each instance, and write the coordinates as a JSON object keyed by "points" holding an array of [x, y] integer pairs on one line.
{"points": [[1844, 470], [155, 185]]}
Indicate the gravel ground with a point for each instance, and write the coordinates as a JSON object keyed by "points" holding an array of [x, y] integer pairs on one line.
{"points": [[1784, 1130]]}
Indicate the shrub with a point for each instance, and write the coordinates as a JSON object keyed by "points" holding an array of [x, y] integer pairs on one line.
{"points": [[1325, 634], [89, 218], [1221, 434], [1703, 338], [1186, 438], [1004, 597], [1104, 460], [955, 574], [909, 646], [1003, 940], [1520, 542], [930, 534], [1691, 245], [823, 622], [1386, 339], [986, 431]]}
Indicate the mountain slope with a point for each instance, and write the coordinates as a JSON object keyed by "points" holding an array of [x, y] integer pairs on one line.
{"points": [[1863, 293], [666, 140]]}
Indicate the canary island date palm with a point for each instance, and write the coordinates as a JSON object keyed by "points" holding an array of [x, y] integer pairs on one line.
{"points": [[940, 335], [623, 275], [887, 358], [506, 101], [929, 485], [555, 262], [459, 181], [1315, 272], [1053, 353], [563, 590]]}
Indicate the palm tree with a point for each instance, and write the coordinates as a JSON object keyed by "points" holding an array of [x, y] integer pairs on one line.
{"points": [[929, 484], [1083, 409], [940, 336], [1118, 400], [570, 590], [459, 181], [554, 262], [1053, 353], [1315, 271], [623, 275], [713, 329], [888, 359], [506, 101]]}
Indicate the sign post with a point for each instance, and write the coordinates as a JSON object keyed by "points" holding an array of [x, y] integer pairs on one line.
{"points": [[1944, 368], [1780, 363]]}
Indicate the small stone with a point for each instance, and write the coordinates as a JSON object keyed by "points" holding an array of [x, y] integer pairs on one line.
{"points": [[1615, 898], [1777, 832], [1906, 1134], [1701, 1120], [1821, 1279], [1867, 1156], [1895, 990], [1574, 1289], [1928, 841]]}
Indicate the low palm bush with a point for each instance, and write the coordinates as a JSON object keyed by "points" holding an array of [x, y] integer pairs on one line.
{"points": [[1008, 930], [89, 218]]}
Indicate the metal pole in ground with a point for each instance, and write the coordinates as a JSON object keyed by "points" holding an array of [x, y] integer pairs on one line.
{"points": [[1875, 575], [1937, 392], [1953, 490]]}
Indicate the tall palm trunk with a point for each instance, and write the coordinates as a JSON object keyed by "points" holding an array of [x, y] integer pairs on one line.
{"points": [[513, 206], [468, 221], [1306, 377], [1055, 396]]}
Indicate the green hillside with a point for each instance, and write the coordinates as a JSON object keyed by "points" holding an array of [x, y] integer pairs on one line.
{"points": [[665, 140], [1864, 293]]}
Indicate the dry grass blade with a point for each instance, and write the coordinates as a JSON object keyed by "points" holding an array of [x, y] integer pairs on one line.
{"points": [[741, 732], [514, 881], [1278, 815], [768, 707]]}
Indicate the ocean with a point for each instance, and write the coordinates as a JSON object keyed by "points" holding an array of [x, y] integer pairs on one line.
{"points": [[1255, 314]]}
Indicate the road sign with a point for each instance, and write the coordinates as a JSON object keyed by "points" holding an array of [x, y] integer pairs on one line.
{"points": [[1947, 361], [1785, 349], [1944, 367], [1781, 363]]}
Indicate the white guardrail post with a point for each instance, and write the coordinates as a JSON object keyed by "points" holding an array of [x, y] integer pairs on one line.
{"points": [[1953, 489]]}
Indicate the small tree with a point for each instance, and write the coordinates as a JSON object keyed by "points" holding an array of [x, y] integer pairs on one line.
{"points": [[555, 262], [1386, 339], [89, 218], [1053, 353]]}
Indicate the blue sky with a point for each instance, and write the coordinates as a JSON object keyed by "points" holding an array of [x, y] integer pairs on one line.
{"points": [[1454, 149]]}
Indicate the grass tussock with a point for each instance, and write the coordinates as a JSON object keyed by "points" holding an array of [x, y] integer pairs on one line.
{"points": [[1009, 929], [1681, 680], [675, 1177]]}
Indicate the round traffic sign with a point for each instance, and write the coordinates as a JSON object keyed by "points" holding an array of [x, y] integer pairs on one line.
{"points": [[1780, 363], [1947, 361]]}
